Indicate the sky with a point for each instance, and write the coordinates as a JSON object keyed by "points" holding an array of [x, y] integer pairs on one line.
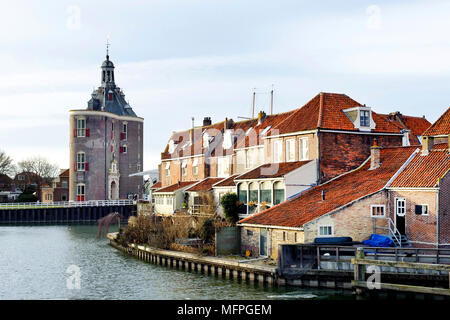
{"points": [[178, 59]]}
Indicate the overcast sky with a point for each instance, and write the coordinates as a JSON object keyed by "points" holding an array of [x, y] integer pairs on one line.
{"points": [[177, 59]]}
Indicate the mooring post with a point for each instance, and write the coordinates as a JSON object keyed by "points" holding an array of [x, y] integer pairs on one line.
{"points": [[359, 269]]}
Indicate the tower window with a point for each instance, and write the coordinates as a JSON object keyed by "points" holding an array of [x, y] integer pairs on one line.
{"points": [[81, 127], [80, 192], [81, 161]]}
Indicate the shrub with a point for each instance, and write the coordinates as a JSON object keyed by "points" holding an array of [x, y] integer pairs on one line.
{"points": [[207, 231], [229, 203]]}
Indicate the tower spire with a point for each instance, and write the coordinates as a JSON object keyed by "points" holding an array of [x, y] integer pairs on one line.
{"points": [[107, 47]]}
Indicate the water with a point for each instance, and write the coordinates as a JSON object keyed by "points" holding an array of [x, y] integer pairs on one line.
{"points": [[34, 262]]}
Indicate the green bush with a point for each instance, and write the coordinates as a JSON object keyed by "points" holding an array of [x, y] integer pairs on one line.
{"points": [[229, 203], [207, 231]]}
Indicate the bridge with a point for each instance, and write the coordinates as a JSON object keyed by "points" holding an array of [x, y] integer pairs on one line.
{"points": [[64, 212]]}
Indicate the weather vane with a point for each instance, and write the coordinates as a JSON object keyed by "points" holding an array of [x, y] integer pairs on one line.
{"points": [[107, 46]]}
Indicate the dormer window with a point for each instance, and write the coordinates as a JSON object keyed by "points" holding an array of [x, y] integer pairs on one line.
{"points": [[364, 118], [361, 117]]}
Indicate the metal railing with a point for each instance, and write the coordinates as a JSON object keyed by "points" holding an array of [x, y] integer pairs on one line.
{"points": [[65, 204], [310, 256], [393, 231]]}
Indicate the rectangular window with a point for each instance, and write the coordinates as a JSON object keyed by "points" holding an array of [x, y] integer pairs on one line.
{"points": [[80, 192], [290, 150], [124, 131], [222, 167], [81, 160], [377, 211], [400, 207], [81, 127], [277, 152], [364, 118], [303, 149], [326, 230], [183, 167], [421, 209]]}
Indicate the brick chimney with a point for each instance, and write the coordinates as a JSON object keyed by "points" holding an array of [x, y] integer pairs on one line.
{"points": [[374, 156], [427, 144], [206, 121]]}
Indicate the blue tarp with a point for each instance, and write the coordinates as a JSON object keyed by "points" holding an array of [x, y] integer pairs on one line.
{"points": [[377, 240]]}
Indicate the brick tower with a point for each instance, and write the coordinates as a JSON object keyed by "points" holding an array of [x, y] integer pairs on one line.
{"points": [[106, 144]]}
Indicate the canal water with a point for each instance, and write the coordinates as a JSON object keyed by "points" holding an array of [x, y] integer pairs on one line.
{"points": [[35, 263]]}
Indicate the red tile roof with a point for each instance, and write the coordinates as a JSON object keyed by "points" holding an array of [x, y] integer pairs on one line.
{"points": [[176, 186], [270, 170], [325, 111], [338, 192], [227, 182], [441, 126], [204, 185], [417, 125], [156, 185], [65, 173], [424, 171]]}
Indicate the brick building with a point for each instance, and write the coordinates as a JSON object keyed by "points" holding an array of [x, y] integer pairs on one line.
{"points": [[404, 188], [106, 144], [332, 129]]}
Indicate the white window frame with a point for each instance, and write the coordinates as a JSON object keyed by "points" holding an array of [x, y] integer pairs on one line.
{"points": [[378, 206], [81, 130], [278, 155], [124, 148], [223, 167], [428, 209], [195, 166], [325, 226], [81, 165], [290, 150], [303, 150], [362, 114], [184, 167], [397, 200], [81, 185], [125, 130]]}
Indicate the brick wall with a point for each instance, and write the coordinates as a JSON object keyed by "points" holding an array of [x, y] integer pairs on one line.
{"points": [[250, 240], [278, 237], [420, 229], [352, 221], [341, 152]]}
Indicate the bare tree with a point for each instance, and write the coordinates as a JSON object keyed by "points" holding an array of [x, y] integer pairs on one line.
{"points": [[6, 164], [45, 170]]}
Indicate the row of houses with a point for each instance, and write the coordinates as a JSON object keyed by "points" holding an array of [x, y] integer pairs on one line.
{"points": [[53, 191], [332, 167]]}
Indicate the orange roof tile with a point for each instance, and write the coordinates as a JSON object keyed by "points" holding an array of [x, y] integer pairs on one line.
{"points": [[441, 126], [338, 192], [270, 170], [424, 171], [204, 185], [156, 185], [176, 186], [227, 182]]}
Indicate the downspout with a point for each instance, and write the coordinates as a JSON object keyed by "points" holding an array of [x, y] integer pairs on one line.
{"points": [[437, 219]]}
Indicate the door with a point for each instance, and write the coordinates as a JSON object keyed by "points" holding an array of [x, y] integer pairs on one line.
{"points": [[400, 213], [263, 242]]}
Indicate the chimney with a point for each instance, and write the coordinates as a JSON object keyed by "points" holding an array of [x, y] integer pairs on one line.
{"points": [[323, 195], [206, 121], [261, 116], [179, 184], [227, 124], [374, 155], [427, 144]]}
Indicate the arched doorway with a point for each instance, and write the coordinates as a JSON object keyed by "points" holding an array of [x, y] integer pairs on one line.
{"points": [[114, 191]]}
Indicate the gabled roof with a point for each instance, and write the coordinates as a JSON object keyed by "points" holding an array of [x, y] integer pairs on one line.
{"points": [[338, 192], [325, 111], [272, 170], [417, 125], [424, 171], [204, 185], [156, 185], [227, 182], [64, 173], [441, 126], [176, 186]]}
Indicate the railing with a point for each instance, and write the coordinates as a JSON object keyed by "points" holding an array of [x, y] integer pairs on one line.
{"points": [[294, 257], [65, 204], [393, 231]]}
